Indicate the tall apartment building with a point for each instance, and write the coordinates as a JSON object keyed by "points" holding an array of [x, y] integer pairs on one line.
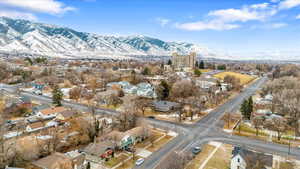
{"points": [[181, 62]]}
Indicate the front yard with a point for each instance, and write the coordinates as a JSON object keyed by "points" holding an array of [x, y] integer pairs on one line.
{"points": [[246, 130], [213, 156], [124, 159]]}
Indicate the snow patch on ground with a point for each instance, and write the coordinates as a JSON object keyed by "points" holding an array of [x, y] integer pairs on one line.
{"points": [[216, 144], [143, 153], [172, 133], [46, 137]]}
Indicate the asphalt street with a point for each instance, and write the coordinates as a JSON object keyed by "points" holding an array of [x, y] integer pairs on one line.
{"points": [[189, 136]]}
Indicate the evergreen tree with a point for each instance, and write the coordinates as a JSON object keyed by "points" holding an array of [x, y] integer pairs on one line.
{"points": [[250, 106], [197, 72], [244, 109], [57, 96], [28, 59], [146, 71], [88, 166], [164, 90], [197, 64], [221, 67], [247, 108], [201, 65], [169, 62]]}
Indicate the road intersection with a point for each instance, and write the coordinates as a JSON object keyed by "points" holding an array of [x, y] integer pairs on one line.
{"points": [[189, 136]]}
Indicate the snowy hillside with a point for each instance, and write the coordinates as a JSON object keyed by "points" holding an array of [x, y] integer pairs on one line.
{"points": [[22, 36]]}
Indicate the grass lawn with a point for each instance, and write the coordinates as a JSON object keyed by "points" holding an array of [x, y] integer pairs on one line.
{"points": [[205, 70], [221, 159], [247, 131], [199, 159], [286, 165], [157, 145], [129, 164], [114, 161], [146, 142], [245, 79]]}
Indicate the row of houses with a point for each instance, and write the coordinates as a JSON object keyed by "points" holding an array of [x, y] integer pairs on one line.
{"points": [[141, 89], [116, 140], [69, 160]]}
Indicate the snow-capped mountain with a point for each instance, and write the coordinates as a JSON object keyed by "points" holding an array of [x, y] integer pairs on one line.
{"points": [[22, 36]]}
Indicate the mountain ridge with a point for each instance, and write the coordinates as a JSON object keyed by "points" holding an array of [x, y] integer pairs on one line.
{"points": [[23, 36]]}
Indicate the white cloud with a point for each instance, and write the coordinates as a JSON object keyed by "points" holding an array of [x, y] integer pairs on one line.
{"points": [[43, 6], [17, 15], [298, 16], [209, 25], [227, 19], [274, 1], [162, 21], [232, 15], [278, 25], [260, 6], [287, 4], [247, 13]]}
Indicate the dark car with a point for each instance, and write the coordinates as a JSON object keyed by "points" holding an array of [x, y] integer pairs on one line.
{"points": [[151, 117], [196, 150]]}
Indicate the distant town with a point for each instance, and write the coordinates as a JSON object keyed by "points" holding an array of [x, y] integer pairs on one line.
{"points": [[180, 113]]}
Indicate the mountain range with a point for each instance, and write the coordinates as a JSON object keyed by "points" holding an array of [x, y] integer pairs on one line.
{"points": [[24, 36]]}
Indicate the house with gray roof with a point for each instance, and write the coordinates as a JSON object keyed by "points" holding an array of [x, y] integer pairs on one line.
{"points": [[246, 159]]}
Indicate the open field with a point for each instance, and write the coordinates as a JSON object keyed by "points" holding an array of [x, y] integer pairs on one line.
{"points": [[245, 79]]}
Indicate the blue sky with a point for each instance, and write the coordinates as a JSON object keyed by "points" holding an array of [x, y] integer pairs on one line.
{"points": [[248, 28]]}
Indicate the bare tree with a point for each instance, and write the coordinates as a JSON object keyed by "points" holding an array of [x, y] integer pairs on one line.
{"points": [[258, 123], [277, 124], [75, 93]]}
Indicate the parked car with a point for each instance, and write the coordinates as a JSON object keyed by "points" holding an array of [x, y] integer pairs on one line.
{"points": [[196, 150], [129, 149], [139, 162]]}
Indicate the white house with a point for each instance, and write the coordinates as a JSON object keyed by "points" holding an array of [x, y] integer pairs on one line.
{"points": [[35, 126], [50, 112], [243, 158]]}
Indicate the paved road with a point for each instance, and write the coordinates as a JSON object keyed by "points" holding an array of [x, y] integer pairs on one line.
{"points": [[196, 134], [207, 130]]}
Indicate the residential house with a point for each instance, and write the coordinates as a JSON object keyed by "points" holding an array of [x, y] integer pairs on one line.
{"points": [[206, 83], [266, 114], [13, 168], [104, 149], [267, 100], [54, 161], [78, 159], [25, 102], [165, 106], [50, 112], [245, 159], [104, 98], [35, 126], [38, 108], [124, 140], [142, 89], [66, 115], [156, 80]]}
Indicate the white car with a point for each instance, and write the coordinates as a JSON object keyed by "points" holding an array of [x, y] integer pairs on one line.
{"points": [[139, 162]]}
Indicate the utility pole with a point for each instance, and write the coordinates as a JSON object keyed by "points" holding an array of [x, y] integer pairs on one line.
{"points": [[289, 147]]}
